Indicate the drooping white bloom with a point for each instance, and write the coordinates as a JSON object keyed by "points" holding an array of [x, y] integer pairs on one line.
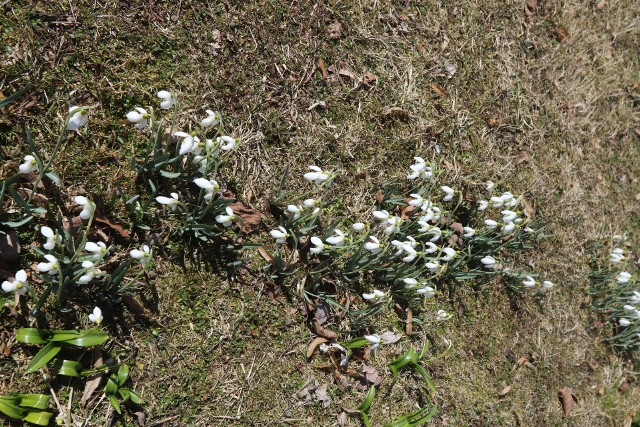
{"points": [[374, 340], [628, 307], [426, 291], [469, 232], [318, 175], [450, 253], [529, 282], [624, 322], [496, 202], [482, 205], [188, 144], [227, 219], [30, 165], [91, 272], [143, 255], [201, 163], [623, 277], [96, 316], [449, 192], [171, 202], [310, 203], [635, 298], [337, 239], [139, 116], [52, 238], [18, 285], [407, 247], [508, 227], [87, 206], [376, 294], [78, 117], [420, 169], [318, 245], [295, 210], [381, 215], [210, 186], [280, 234], [488, 260], [393, 225], [373, 245], [442, 315], [98, 249], [51, 266], [490, 185], [226, 143], [508, 216], [491, 224], [358, 226], [436, 232], [430, 248], [616, 255], [506, 197], [168, 100], [547, 284], [410, 282], [211, 119], [417, 201], [432, 266]]}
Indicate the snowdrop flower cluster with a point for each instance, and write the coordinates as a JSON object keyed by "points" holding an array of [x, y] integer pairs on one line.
{"points": [[391, 223], [280, 235], [18, 285], [139, 117], [52, 238], [420, 169], [210, 187], [375, 295], [317, 175], [143, 255], [30, 165], [308, 206], [228, 219], [96, 316], [212, 119], [168, 99], [78, 117], [616, 256]]}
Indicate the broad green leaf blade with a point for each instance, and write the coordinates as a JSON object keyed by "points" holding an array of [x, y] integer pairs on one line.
{"points": [[170, 175], [135, 397], [10, 410], [365, 419], [124, 393], [423, 418], [68, 368], [427, 378], [111, 388], [114, 402], [33, 335], [88, 338], [368, 400], [40, 418], [123, 374], [47, 353], [38, 401]]}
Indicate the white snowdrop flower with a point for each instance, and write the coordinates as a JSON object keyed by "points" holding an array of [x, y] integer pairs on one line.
{"points": [[496, 202], [318, 246], [624, 322], [376, 294], [358, 226], [482, 205], [381, 215], [410, 282], [227, 219], [97, 249], [450, 254], [373, 245], [318, 175], [547, 284], [139, 116], [508, 216], [629, 307], [310, 203], [411, 254], [337, 239], [490, 185], [518, 221], [227, 143], [393, 225], [469, 232], [208, 185], [436, 232], [615, 258], [426, 291], [168, 100], [51, 266], [529, 230], [143, 255], [52, 238], [529, 282], [437, 213], [635, 298], [442, 315], [96, 316], [201, 163], [78, 117], [491, 224], [508, 227], [506, 196], [428, 215], [280, 234], [91, 272], [295, 210], [87, 206], [420, 169], [617, 238], [432, 266], [623, 277], [488, 260], [171, 202], [417, 201], [430, 248], [30, 165], [188, 143], [424, 226], [18, 285], [449, 192], [374, 340], [211, 119]]}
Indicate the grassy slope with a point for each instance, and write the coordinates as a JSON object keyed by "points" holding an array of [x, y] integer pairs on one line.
{"points": [[546, 105]]}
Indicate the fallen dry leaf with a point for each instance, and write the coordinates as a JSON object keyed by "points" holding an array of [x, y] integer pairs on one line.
{"points": [[438, 89], [342, 419], [406, 211], [323, 332], [346, 73], [315, 343], [522, 157], [567, 399], [93, 381], [266, 255], [601, 4], [379, 196], [323, 68], [369, 78], [335, 30], [142, 418], [504, 391], [371, 375], [390, 338], [530, 7], [408, 329], [251, 218], [321, 313], [112, 225], [562, 33], [396, 113], [9, 246], [456, 226], [529, 212]]}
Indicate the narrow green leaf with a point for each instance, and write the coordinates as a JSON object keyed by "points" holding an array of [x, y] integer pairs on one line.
{"points": [[365, 419], [123, 374], [135, 397], [170, 175], [45, 354], [37, 401], [124, 393], [368, 400], [40, 418], [427, 378], [16, 224], [111, 388], [33, 335], [114, 402], [54, 178], [15, 95]]}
